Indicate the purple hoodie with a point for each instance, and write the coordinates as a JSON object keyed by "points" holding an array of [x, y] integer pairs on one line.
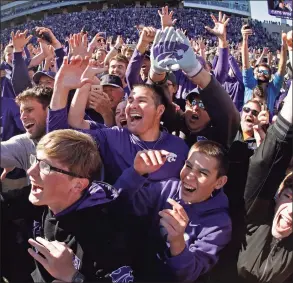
{"points": [[11, 124], [87, 228], [118, 148], [6, 84], [208, 231]]}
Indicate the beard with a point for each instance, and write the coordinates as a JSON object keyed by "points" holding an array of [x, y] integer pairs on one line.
{"points": [[259, 82]]}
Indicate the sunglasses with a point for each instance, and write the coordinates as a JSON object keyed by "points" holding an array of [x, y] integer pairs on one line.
{"points": [[248, 110], [265, 72], [195, 102]]}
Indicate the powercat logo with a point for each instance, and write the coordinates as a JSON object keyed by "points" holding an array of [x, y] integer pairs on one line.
{"points": [[171, 157]]}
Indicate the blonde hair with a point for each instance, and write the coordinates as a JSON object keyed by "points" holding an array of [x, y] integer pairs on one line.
{"points": [[286, 183], [77, 151]]}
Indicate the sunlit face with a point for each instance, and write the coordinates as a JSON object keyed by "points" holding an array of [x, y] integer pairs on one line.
{"points": [[263, 74], [199, 177], [115, 94], [142, 114], [249, 116], [100, 55], [196, 117], [33, 117], [282, 223], [172, 89], [128, 54], [46, 82], [9, 55], [117, 68], [54, 189], [120, 116]]}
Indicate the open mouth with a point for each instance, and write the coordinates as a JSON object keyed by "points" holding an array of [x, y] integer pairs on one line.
{"points": [[189, 188], [28, 126], [135, 116], [194, 117], [36, 189], [123, 122], [249, 120]]}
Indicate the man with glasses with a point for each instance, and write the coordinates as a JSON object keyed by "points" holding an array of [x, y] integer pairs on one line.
{"points": [[263, 74], [70, 211]]}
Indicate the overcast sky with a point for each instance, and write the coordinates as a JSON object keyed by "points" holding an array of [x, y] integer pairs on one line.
{"points": [[259, 10]]}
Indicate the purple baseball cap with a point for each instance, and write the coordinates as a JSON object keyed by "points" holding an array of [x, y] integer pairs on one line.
{"points": [[39, 74]]}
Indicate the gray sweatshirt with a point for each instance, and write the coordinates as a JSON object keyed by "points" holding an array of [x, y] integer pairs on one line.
{"points": [[16, 152]]}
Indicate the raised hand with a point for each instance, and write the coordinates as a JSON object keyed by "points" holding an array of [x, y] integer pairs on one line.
{"points": [[92, 69], [78, 45], [147, 36], [174, 221], [149, 161], [171, 51], [265, 51], [99, 101], [56, 258], [219, 29], [166, 17], [55, 42], [20, 40], [69, 75], [259, 134], [94, 43], [246, 32], [263, 117]]}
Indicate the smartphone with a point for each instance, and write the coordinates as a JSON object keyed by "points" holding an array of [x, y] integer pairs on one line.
{"points": [[45, 35], [98, 88], [85, 29]]}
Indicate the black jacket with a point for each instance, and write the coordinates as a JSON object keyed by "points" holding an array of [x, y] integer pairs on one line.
{"points": [[254, 255], [91, 227], [224, 117]]}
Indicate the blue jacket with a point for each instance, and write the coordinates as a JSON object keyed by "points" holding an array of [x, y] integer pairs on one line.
{"points": [[208, 231], [274, 87], [118, 148]]}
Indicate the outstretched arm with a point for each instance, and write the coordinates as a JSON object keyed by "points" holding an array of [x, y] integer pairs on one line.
{"points": [[269, 162]]}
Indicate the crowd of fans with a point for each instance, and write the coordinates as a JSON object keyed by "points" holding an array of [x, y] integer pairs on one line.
{"points": [[133, 151], [123, 22]]}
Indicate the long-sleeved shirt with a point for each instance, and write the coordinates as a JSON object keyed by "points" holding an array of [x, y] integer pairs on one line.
{"points": [[20, 77], [232, 84], [118, 148], [273, 88], [224, 117]]}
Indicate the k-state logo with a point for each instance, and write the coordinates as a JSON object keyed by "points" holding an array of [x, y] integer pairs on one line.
{"points": [[76, 262], [171, 157], [201, 138], [122, 274]]}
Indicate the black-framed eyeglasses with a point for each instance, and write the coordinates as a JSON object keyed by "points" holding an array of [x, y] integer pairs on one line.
{"points": [[195, 102], [45, 168], [248, 110], [265, 72]]}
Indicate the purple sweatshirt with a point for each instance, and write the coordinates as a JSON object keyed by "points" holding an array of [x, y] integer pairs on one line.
{"points": [[6, 85], [208, 231], [232, 84], [118, 148], [20, 76], [10, 119]]}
